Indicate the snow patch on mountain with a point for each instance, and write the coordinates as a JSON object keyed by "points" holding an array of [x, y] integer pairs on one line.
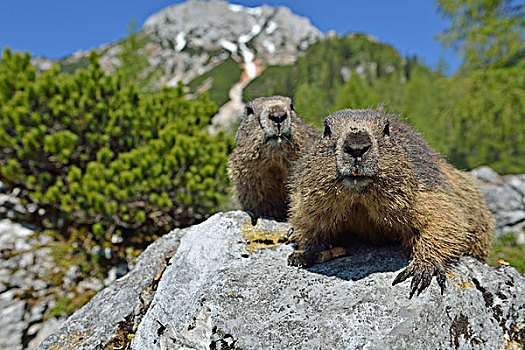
{"points": [[181, 42], [228, 45]]}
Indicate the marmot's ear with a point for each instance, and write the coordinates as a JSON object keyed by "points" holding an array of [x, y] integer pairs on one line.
{"points": [[386, 129], [327, 131], [249, 110]]}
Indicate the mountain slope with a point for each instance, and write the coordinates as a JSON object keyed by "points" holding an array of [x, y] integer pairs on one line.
{"points": [[189, 38], [186, 40]]}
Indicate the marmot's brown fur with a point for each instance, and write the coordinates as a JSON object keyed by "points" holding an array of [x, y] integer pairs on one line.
{"points": [[270, 137], [373, 178]]}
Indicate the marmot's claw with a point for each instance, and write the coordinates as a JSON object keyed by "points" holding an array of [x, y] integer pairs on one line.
{"points": [[403, 275], [253, 217], [417, 281], [421, 278], [424, 282], [441, 279], [301, 259]]}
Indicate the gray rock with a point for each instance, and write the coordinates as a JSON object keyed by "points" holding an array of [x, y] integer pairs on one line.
{"points": [[510, 218], [45, 330], [102, 252], [25, 294], [225, 300], [117, 310], [502, 197], [11, 233], [12, 325], [115, 272], [505, 198], [36, 314], [518, 183], [485, 174], [215, 294], [34, 329], [91, 283], [71, 275]]}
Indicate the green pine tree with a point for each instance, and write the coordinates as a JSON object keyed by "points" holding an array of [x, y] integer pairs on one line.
{"points": [[98, 154], [488, 33], [356, 94]]}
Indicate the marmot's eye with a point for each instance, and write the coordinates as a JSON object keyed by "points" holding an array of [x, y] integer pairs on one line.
{"points": [[291, 106], [327, 132], [249, 110], [386, 130]]}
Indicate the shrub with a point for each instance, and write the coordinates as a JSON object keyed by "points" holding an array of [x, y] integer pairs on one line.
{"points": [[96, 153], [485, 120]]}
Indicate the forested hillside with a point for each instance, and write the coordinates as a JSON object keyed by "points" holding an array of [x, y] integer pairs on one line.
{"points": [[353, 71], [474, 118]]}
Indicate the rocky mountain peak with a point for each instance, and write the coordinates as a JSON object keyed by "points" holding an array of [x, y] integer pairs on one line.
{"points": [[186, 40], [189, 38]]}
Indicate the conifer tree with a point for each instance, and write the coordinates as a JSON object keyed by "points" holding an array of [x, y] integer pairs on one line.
{"points": [[356, 94], [486, 32], [94, 152]]}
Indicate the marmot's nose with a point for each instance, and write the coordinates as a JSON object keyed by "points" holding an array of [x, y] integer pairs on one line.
{"points": [[357, 151], [357, 144], [278, 118]]}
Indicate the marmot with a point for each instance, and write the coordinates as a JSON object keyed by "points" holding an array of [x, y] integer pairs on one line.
{"points": [[270, 137], [371, 177]]}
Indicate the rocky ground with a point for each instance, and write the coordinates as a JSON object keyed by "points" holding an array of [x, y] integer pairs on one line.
{"points": [[214, 286], [35, 288], [24, 262], [505, 197]]}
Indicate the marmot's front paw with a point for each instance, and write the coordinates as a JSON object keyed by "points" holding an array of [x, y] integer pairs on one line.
{"points": [[301, 258], [421, 277]]}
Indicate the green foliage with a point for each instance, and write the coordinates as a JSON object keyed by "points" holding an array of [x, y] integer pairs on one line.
{"points": [[488, 33], [222, 78], [274, 80], [97, 153], [324, 61], [508, 249], [310, 103], [485, 121], [134, 65], [66, 305], [356, 94], [372, 70], [423, 97]]}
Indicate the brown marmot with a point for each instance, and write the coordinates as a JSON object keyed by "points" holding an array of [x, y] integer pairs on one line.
{"points": [[270, 137], [371, 177]]}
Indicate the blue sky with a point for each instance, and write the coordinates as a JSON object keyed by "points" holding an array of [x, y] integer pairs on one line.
{"points": [[57, 28]]}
